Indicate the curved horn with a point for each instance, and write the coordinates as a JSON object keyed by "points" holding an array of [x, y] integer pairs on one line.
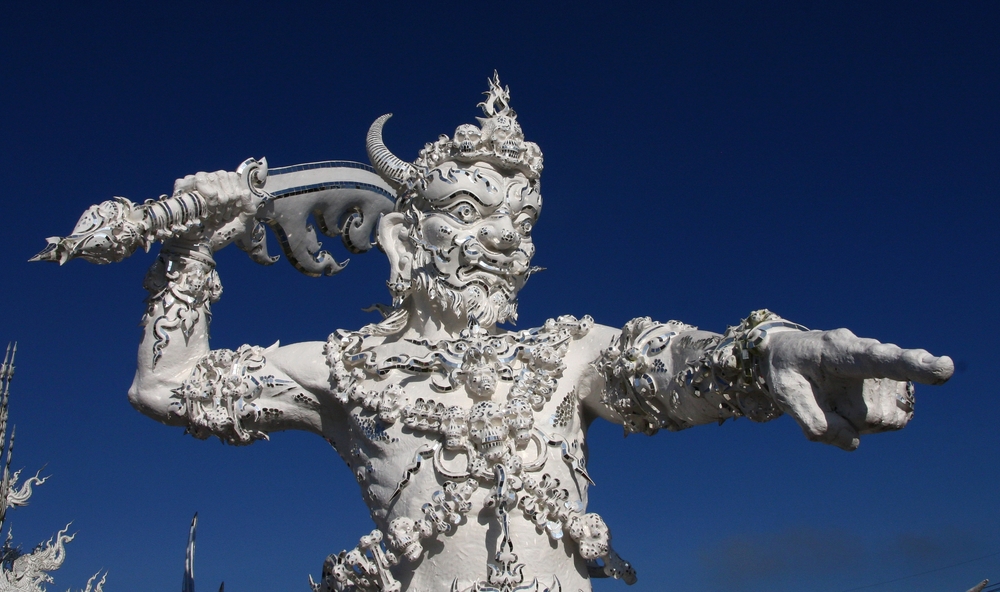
{"points": [[388, 166]]}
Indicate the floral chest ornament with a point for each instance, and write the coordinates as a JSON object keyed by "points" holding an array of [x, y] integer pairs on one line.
{"points": [[502, 445]]}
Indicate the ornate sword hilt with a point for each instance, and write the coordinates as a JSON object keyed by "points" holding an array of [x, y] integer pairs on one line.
{"points": [[112, 230]]}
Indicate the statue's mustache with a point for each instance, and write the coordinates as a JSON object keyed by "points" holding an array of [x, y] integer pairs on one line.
{"points": [[473, 253]]}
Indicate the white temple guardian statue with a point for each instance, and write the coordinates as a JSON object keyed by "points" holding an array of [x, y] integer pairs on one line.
{"points": [[467, 440]]}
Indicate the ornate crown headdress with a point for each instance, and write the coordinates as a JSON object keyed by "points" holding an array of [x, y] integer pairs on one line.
{"points": [[498, 141]]}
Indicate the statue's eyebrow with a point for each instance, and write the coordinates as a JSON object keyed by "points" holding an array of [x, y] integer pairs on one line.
{"points": [[459, 196], [530, 210]]}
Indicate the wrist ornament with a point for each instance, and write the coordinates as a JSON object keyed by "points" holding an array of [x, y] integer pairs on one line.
{"points": [[746, 340], [728, 372]]}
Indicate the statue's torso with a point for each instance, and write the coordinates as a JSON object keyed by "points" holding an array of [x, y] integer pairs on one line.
{"points": [[435, 433]]}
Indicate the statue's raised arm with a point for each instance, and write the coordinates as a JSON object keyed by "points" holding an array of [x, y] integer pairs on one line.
{"points": [[239, 395]]}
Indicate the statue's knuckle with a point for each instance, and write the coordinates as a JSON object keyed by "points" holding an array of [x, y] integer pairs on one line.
{"points": [[838, 337], [814, 430], [815, 435]]}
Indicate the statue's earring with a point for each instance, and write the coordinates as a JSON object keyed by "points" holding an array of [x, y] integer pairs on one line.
{"points": [[400, 290], [392, 239]]}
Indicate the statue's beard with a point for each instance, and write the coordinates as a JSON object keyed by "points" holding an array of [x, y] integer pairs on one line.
{"points": [[486, 303]]}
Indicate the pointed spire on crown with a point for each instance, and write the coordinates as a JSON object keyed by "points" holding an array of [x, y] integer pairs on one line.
{"points": [[497, 99]]}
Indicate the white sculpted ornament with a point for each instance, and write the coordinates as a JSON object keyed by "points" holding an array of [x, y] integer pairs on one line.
{"points": [[450, 424], [20, 571]]}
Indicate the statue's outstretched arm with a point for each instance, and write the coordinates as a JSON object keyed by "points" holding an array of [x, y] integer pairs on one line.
{"points": [[836, 386]]}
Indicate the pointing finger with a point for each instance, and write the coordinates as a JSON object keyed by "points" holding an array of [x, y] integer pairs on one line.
{"points": [[847, 356]]}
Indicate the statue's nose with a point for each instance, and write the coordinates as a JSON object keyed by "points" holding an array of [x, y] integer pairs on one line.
{"points": [[498, 234]]}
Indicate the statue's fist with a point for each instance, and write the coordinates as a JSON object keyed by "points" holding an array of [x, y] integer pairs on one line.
{"points": [[229, 205], [225, 192], [838, 386]]}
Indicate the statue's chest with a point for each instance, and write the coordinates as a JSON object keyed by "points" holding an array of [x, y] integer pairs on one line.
{"points": [[462, 406]]}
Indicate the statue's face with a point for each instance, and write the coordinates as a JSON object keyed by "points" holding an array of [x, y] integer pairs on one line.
{"points": [[476, 224]]}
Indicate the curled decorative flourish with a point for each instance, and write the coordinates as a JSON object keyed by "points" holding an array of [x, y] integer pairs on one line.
{"points": [[336, 198], [19, 497], [95, 585], [577, 463], [497, 98]]}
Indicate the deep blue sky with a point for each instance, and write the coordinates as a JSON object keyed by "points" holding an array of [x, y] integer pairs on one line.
{"points": [[834, 162]]}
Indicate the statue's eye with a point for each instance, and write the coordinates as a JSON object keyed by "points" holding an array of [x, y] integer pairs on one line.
{"points": [[465, 213], [524, 224]]}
